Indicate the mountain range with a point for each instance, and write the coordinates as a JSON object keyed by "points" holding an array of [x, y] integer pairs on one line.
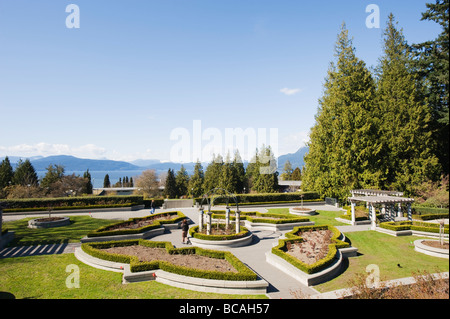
{"points": [[72, 163]]}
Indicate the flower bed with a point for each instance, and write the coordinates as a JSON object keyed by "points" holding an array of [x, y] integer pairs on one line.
{"points": [[294, 238], [138, 225], [105, 251]]}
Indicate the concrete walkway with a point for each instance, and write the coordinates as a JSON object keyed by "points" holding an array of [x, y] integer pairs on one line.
{"points": [[280, 285]]}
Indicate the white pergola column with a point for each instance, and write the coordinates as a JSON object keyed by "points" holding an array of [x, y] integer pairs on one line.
{"points": [[409, 210], [373, 217], [353, 204], [238, 221], [200, 220], [208, 223], [383, 210], [227, 218]]}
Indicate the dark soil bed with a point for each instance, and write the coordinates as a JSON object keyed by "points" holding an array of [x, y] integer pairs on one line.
{"points": [[189, 260], [313, 247], [139, 223], [436, 244], [49, 219]]}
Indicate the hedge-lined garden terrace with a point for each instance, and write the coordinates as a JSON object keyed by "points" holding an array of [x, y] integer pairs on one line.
{"points": [[311, 254], [136, 228], [188, 267]]}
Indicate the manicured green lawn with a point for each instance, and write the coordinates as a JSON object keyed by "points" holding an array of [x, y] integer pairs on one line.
{"points": [[322, 218], [386, 252], [44, 277], [79, 227]]}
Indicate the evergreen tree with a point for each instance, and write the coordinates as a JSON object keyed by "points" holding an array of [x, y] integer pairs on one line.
{"points": [[170, 189], [432, 63], [287, 171], [54, 173], [25, 174], [228, 178], [407, 139], [344, 151], [89, 187], [265, 172], [239, 170], [182, 182], [6, 173], [296, 174], [196, 181], [106, 182], [213, 173]]}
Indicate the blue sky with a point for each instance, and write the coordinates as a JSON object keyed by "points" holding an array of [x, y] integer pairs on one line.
{"points": [[135, 71]]}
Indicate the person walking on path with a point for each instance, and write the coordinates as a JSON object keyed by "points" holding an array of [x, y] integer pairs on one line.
{"points": [[184, 230], [152, 206]]}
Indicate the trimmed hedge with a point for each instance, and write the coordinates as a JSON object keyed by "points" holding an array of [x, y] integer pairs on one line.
{"points": [[72, 202], [103, 231], [243, 272], [414, 225], [193, 232], [249, 199], [257, 217], [292, 237]]}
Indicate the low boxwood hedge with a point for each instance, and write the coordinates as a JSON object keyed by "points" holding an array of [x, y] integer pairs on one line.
{"points": [[193, 232], [243, 272], [103, 231], [292, 237], [414, 225], [265, 198], [257, 217]]}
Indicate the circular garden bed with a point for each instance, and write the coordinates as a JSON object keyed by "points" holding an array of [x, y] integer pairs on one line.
{"points": [[220, 236], [48, 222], [432, 247], [301, 211]]}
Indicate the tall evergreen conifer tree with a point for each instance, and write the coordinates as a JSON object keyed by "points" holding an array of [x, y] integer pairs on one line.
{"points": [[344, 150], [405, 128]]}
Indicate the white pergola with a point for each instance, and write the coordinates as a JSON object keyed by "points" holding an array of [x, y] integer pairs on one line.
{"points": [[386, 199]]}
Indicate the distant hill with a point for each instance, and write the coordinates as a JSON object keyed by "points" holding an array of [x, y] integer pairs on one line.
{"points": [[296, 159], [72, 163]]}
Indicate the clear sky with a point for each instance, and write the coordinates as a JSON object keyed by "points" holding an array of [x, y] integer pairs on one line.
{"points": [[138, 70]]}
